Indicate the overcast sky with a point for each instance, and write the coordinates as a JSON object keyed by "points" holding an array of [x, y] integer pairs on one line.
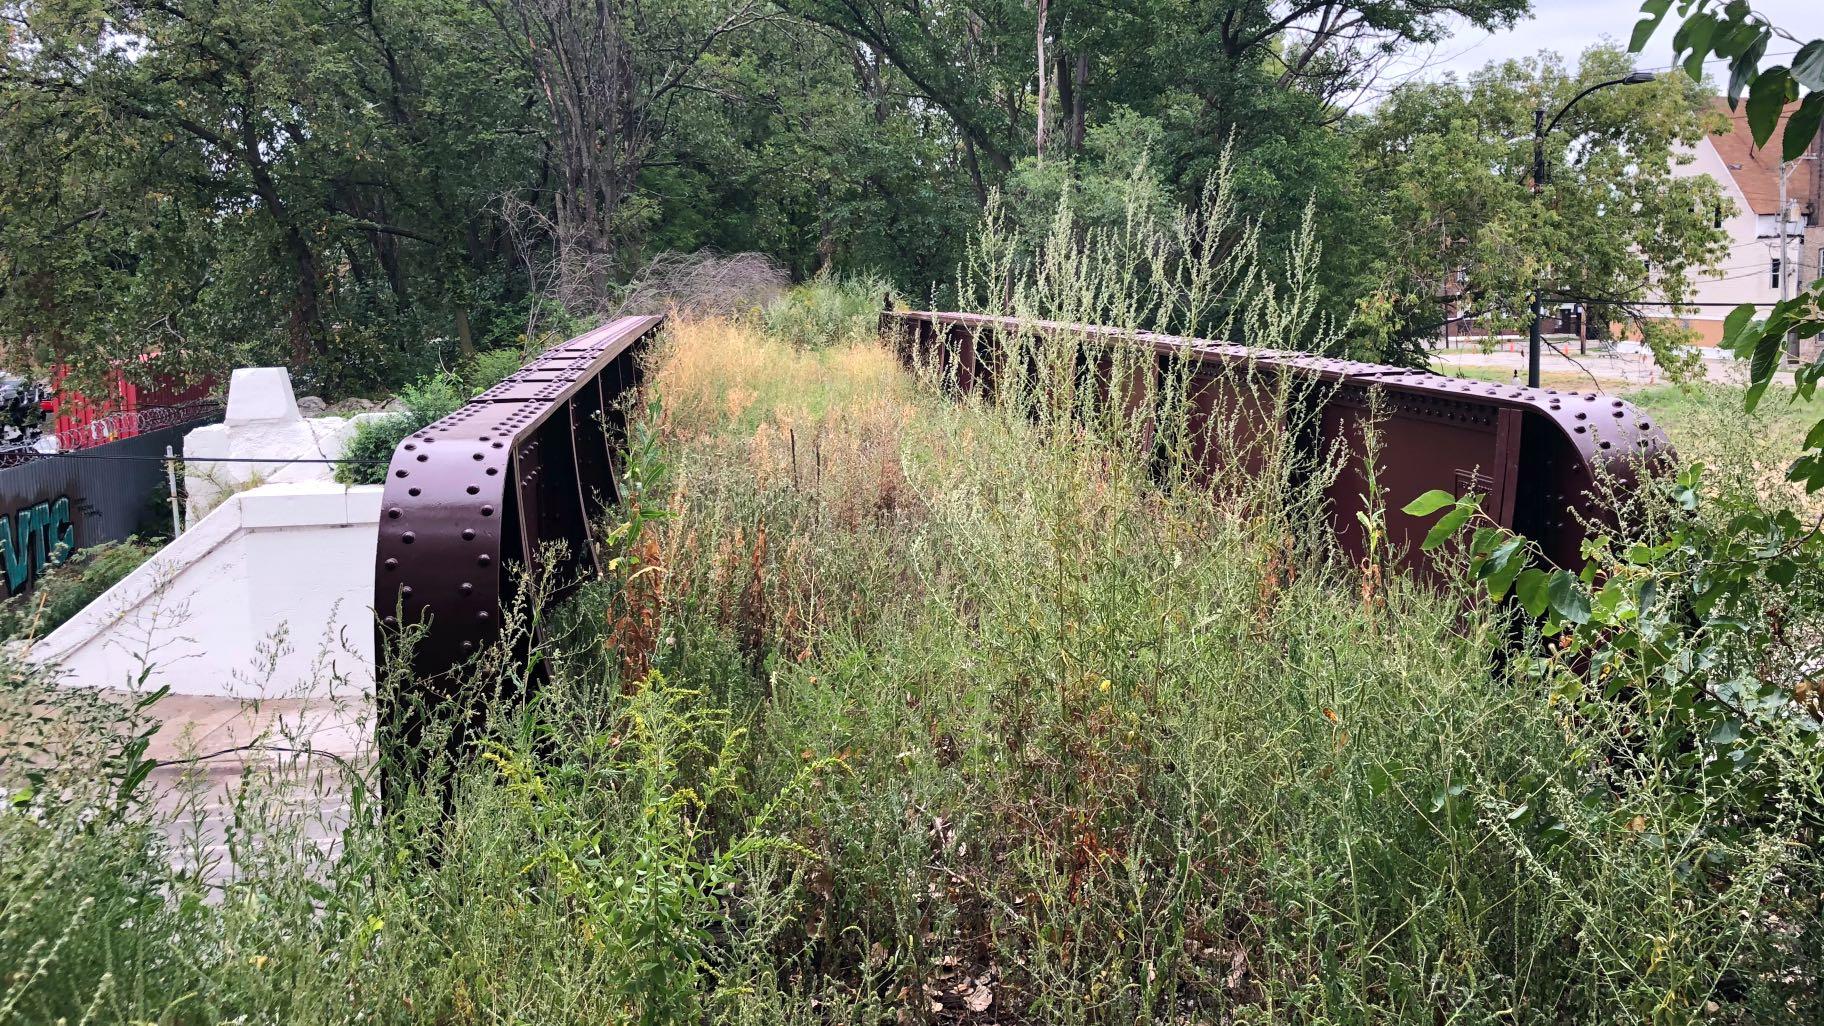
{"points": [[1569, 26]]}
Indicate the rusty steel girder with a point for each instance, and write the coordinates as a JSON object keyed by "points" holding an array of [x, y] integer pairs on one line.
{"points": [[535, 460], [487, 491], [1537, 455]]}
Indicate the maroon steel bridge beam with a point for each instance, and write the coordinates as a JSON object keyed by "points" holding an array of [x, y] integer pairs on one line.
{"points": [[534, 461], [485, 492], [1537, 455]]}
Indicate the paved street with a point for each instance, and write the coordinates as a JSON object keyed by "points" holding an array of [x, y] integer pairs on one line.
{"points": [[1615, 371]]}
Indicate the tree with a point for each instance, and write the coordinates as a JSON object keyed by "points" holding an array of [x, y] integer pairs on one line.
{"points": [[808, 148], [1611, 223], [970, 59], [610, 74], [346, 184], [212, 180]]}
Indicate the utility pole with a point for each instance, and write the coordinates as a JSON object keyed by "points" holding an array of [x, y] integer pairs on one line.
{"points": [[1535, 340], [1787, 167], [1792, 355]]}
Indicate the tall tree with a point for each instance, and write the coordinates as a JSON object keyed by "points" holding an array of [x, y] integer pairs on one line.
{"points": [[610, 74], [971, 59], [984, 62], [205, 178], [809, 147], [1272, 79], [1611, 223]]}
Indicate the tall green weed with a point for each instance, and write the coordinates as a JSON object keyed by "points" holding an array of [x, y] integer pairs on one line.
{"points": [[827, 311], [893, 708]]}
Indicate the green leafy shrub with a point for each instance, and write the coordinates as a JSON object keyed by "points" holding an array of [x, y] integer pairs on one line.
{"points": [[1697, 637], [827, 311], [364, 460], [489, 367], [65, 588], [429, 400]]}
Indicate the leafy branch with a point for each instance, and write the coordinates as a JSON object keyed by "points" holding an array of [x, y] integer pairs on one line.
{"points": [[1676, 633], [1735, 33]]}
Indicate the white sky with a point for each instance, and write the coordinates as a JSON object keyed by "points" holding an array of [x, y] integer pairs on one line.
{"points": [[1569, 26]]}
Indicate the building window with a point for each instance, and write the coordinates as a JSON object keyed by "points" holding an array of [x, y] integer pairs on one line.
{"points": [[1719, 215], [1776, 272]]}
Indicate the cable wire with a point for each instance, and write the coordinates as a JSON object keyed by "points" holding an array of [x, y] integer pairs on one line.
{"points": [[34, 455]]}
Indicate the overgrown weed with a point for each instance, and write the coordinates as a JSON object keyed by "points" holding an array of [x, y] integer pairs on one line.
{"points": [[827, 311], [896, 708]]}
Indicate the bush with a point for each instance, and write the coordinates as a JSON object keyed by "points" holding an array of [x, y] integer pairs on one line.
{"points": [[364, 461], [429, 400], [827, 311], [489, 367], [64, 589]]}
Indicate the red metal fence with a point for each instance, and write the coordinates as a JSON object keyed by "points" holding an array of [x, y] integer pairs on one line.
{"points": [[122, 409], [87, 433]]}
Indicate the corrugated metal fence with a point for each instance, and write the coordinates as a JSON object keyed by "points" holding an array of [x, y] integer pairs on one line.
{"points": [[53, 505]]}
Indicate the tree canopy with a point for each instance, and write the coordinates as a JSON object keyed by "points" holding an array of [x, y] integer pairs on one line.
{"points": [[364, 189], [1611, 224]]}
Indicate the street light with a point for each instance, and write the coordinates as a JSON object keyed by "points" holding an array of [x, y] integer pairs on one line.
{"points": [[1541, 129]]}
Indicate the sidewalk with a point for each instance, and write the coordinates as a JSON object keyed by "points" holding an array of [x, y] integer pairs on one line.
{"points": [[294, 758]]}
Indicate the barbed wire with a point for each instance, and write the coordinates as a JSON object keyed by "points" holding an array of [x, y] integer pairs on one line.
{"points": [[33, 455]]}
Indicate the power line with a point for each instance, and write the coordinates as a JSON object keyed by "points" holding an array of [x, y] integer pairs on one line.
{"points": [[1758, 272], [33, 455], [1645, 303], [1717, 60]]}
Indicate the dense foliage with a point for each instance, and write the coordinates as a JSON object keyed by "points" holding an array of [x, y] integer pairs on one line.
{"points": [[893, 709], [285, 182], [1452, 166], [68, 585], [367, 190], [890, 708]]}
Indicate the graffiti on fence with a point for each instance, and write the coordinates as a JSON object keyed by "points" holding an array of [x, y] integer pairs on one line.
{"points": [[35, 537], [53, 504]]}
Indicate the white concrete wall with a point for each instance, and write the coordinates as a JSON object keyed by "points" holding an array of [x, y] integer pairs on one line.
{"points": [[262, 424], [269, 596]]}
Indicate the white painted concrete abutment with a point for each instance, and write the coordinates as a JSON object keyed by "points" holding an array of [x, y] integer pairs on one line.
{"points": [[270, 596]]}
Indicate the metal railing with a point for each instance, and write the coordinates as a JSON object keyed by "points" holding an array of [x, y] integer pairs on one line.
{"points": [[534, 461], [526, 466]]}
